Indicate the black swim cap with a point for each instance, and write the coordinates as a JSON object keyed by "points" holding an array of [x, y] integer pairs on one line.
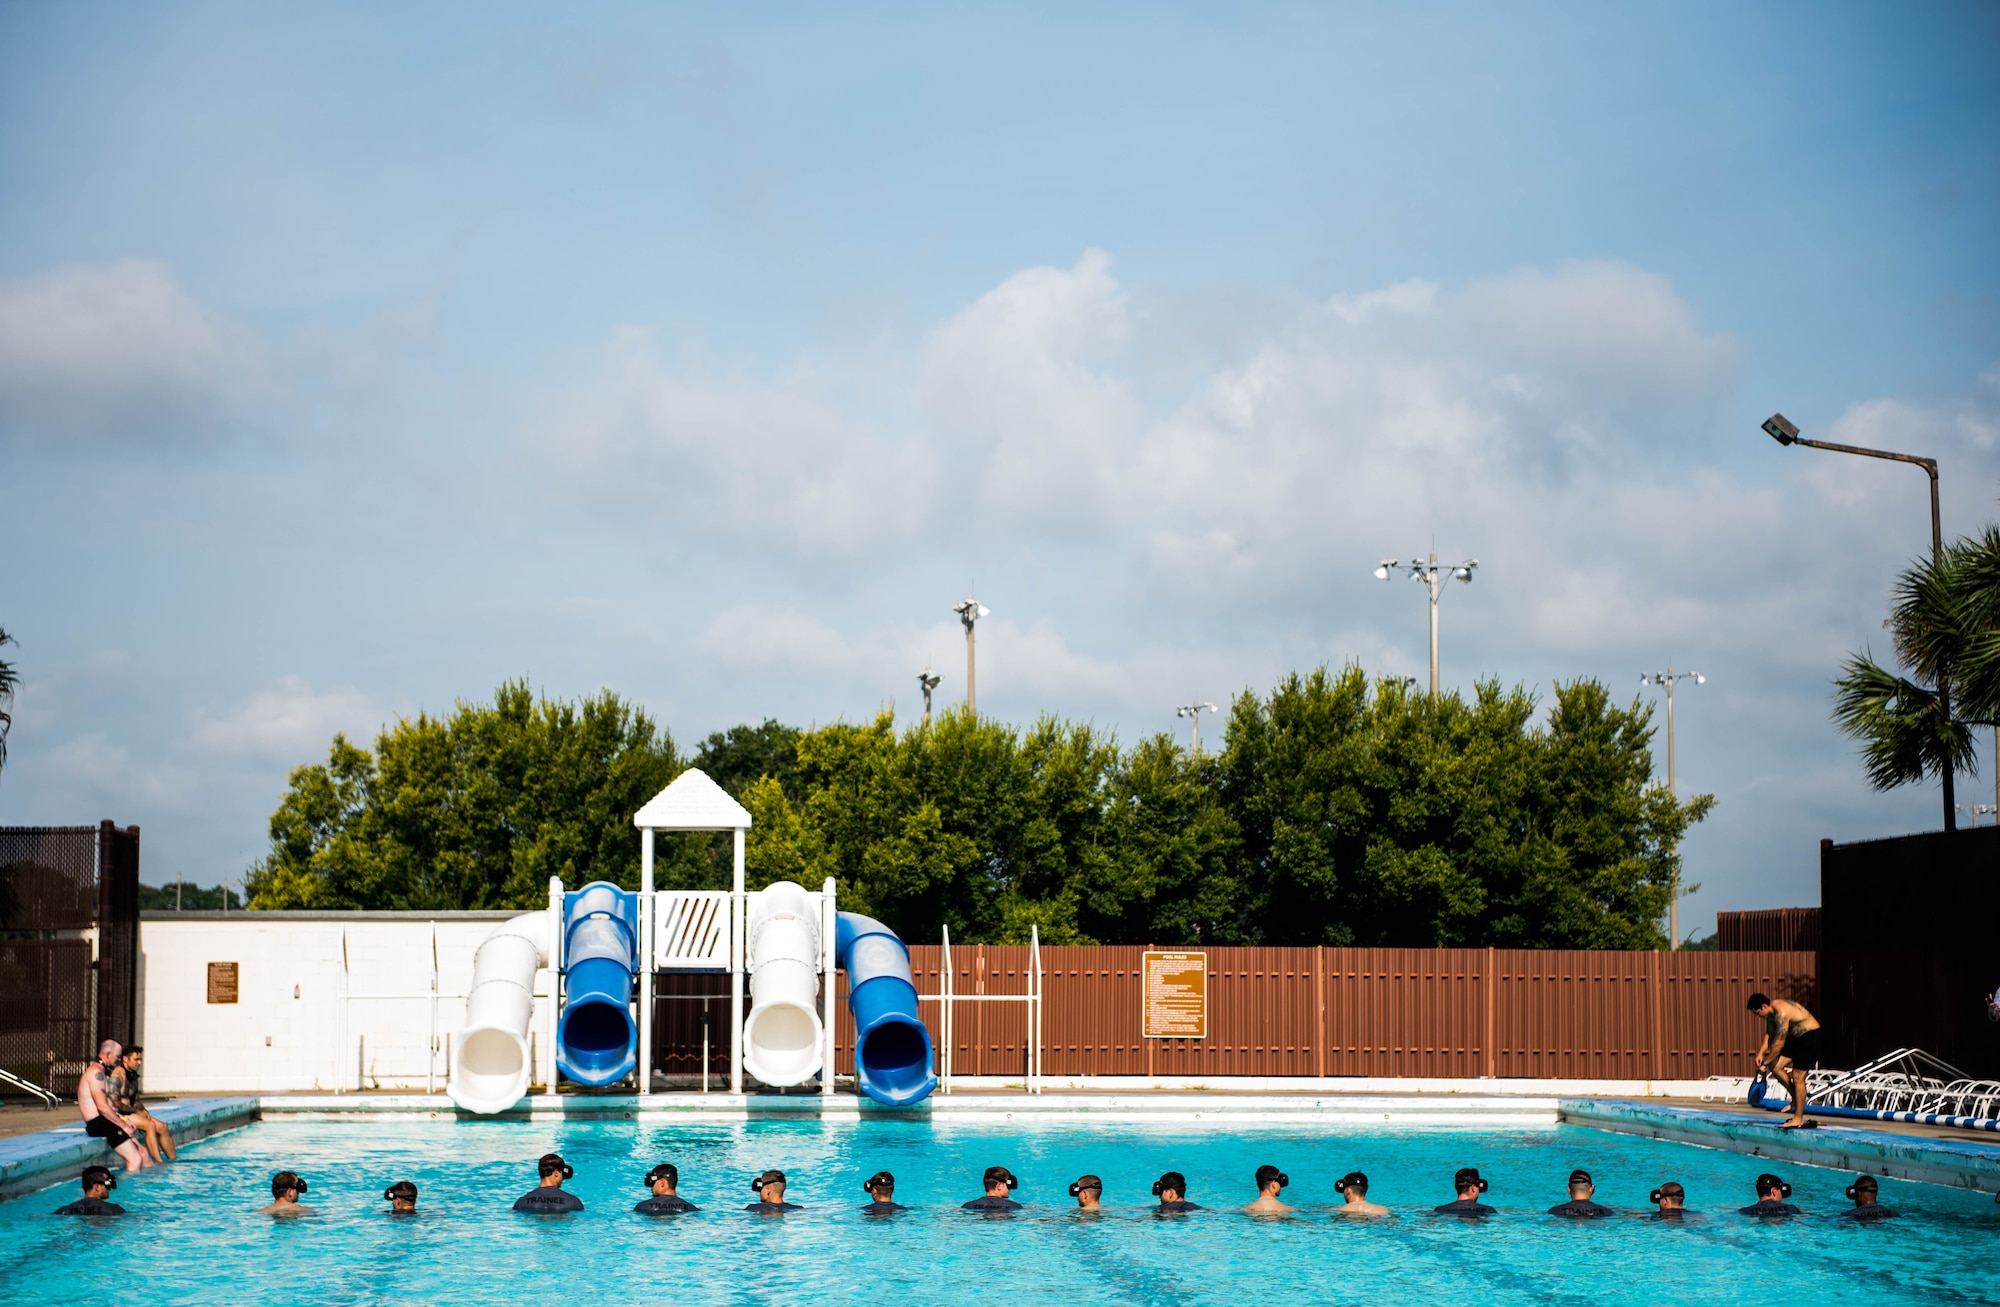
{"points": [[1467, 1177], [1173, 1180], [1266, 1174], [1671, 1189], [1579, 1177], [284, 1180], [98, 1175], [1863, 1184], [1001, 1175], [552, 1163], [1352, 1180], [1082, 1183], [402, 1189], [879, 1180], [1769, 1181], [769, 1177]]}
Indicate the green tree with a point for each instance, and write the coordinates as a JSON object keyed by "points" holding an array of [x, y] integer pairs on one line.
{"points": [[475, 810]]}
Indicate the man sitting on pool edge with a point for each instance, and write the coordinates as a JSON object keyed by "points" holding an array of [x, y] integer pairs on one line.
{"points": [[98, 1182], [1579, 1207], [999, 1184], [881, 1189], [1467, 1184], [662, 1180], [770, 1190], [548, 1198]]}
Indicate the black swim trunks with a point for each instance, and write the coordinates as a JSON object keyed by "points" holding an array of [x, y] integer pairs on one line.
{"points": [[100, 1127], [1802, 1046]]}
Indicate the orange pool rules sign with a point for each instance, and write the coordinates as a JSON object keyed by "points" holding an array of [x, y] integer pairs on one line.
{"points": [[1174, 996]]}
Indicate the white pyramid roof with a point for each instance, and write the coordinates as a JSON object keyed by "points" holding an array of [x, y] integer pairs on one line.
{"points": [[692, 802]]}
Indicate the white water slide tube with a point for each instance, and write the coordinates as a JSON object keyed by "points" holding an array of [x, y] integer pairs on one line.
{"points": [[489, 1059], [781, 1036]]}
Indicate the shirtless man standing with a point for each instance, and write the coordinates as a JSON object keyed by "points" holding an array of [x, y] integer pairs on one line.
{"points": [[100, 1118], [1790, 1048]]}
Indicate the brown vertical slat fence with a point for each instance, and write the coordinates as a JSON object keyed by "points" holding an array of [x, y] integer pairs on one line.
{"points": [[1567, 1014]]}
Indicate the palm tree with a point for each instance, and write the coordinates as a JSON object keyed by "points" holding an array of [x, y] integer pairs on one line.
{"points": [[9, 678], [1945, 625]]}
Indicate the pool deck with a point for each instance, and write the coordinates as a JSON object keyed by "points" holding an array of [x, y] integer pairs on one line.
{"points": [[1961, 1160]]}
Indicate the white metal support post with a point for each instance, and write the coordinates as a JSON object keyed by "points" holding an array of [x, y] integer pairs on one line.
{"points": [[944, 1024], [826, 953], [737, 925], [646, 952], [549, 1014]]}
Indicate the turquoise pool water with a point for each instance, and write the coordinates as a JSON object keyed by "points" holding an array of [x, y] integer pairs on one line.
{"points": [[195, 1238]]}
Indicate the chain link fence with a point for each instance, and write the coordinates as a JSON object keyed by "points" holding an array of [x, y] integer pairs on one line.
{"points": [[69, 947]]}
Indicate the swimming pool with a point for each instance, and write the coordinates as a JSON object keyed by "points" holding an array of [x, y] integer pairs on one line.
{"points": [[195, 1239]]}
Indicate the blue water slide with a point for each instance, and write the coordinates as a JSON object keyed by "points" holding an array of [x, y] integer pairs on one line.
{"points": [[596, 1040], [892, 1049]]}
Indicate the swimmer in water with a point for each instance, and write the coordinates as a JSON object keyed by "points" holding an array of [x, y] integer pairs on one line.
{"points": [[1771, 1195], [1354, 1188], [1579, 1207], [98, 1182], [662, 1180], [548, 1198], [286, 1186], [1000, 1182], [1171, 1190], [1467, 1184], [402, 1197], [1088, 1191], [1671, 1200], [770, 1190], [881, 1189], [1270, 1180], [1866, 1207]]}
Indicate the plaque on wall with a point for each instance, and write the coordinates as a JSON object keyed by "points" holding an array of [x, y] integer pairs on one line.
{"points": [[222, 982], [1174, 996]]}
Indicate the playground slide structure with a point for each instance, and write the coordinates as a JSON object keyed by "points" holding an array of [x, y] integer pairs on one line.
{"points": [[892, 1047], [600, 940]]}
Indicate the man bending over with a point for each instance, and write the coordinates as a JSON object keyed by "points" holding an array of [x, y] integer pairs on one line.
{"points": [[1790, 1048], [101, 1118]]}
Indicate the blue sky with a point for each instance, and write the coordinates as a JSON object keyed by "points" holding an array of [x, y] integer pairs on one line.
{"points": [[353, 359]]}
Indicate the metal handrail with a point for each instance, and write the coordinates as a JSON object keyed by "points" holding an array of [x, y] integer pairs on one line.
{"points": [[27, 1086]]}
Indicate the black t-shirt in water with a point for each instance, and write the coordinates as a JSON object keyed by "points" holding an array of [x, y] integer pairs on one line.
{"points": [[880, 1208], [992, 1203], [91, 1207], [761, 1206], [1464, 1207], [1580, 1207], [548, 1200], [665, 1204]]}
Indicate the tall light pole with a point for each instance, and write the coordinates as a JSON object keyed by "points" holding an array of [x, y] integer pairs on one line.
{"points": [[1194, 711], [1430, 574], [1778, 428], [928, 680], [969, 614], [1667, 679]]}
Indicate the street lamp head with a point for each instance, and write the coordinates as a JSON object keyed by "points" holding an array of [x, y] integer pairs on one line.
{"points": [[1382, 572], [1699, 679], [1779, 429]]}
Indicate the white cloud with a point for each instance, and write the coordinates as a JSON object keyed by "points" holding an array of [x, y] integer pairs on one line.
{"points": [[93, 770], [120, 351], [288, 723]]}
